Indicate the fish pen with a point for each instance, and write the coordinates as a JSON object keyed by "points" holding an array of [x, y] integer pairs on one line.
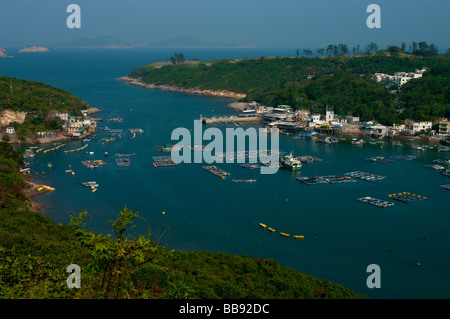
{"points": [[93, 163], [250, 166], [379, 159], [123, 162], [406, 197], [403, 157], [308, 159], [365, 176], [244, 180], [328, 179], [167, 148], [375, 201], [125, 155], [163, 161], [216, 171]]}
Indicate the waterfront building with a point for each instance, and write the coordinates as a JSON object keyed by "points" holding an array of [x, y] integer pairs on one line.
{"points": [[419, 127], [442, 126]]}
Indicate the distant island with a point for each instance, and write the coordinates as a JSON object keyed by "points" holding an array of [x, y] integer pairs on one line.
{"points": [[3, 53], [32, 48]]}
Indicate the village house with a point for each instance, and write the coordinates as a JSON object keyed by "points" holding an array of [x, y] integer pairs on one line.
{"points": [[10, 130], [419, 127], [442, 126]]}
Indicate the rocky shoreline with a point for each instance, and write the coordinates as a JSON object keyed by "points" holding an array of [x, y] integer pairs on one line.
{"points": [[194, 91]]}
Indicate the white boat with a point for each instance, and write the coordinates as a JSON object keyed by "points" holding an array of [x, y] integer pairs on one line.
{"points": [[90, 184], [290, 162], [357, 142]]}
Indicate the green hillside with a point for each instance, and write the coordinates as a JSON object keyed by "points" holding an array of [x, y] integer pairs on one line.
{"points": [[344, 83], [37, 99]]}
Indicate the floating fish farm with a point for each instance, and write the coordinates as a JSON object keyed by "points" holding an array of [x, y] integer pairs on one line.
{"points": [[328, 179], [379, 159], [163, 161], [375, 201], [365, 176], [406, 197], [216, 171]]}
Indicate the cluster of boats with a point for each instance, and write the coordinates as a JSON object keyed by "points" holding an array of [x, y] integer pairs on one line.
{"points": [[93, 163]]}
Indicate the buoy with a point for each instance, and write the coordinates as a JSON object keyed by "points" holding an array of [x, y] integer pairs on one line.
{"points": [[163, 213]]}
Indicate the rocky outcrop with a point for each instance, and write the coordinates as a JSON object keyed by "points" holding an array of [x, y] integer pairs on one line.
{"points": [[170, 88], [3, 53], [8, 116]]}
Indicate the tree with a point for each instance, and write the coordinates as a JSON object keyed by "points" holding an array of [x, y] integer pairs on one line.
{"points": [[116, 259], [5, 138], [297, 53], [320, 51], [371, 47]]}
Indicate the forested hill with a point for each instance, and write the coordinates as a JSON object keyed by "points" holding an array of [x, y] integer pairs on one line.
{"points": [[344, 83], [37, 99]]}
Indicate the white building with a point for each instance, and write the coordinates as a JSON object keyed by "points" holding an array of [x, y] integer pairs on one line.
{"points": [[421, 126], [329, 116], [10, 130], [399, 78], [63, 116], [315, 118]]}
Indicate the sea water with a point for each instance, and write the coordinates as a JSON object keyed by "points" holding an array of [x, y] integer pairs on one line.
{"points": [[202, 212]]}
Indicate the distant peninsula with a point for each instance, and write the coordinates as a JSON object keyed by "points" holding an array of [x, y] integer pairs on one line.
{"points": [[3, 53], [32, 48], [345, 83]]}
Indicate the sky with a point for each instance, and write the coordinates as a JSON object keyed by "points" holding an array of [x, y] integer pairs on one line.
{"points": [[263, 23]]}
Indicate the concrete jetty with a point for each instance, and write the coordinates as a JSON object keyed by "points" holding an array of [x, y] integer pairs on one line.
{"points": [[230, 119]]}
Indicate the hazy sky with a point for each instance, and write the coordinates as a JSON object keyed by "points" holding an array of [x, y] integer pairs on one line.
{"points": [[264, 23]]}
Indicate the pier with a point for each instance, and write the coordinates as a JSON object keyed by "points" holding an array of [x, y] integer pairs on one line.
{"points": [[230, 119]]}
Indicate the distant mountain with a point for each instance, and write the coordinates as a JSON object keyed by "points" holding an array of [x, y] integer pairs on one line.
{"points": [[193, 42], [99, 42]]}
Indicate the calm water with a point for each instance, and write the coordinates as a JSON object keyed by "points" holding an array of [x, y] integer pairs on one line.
{"points": [[204, 212]]}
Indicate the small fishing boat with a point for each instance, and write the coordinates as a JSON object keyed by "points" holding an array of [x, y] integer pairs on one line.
{"points": [[299, 236], [284, 234], [262, 225], [271, 230]]}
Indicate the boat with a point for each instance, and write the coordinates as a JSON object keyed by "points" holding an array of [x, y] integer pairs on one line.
{"points": [[299, 236], [271, 229], [284, 234], [357, 142], [262, 225], [290, 162], [90, 184]]}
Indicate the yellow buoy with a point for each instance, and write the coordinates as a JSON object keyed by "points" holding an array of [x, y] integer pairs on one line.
{"points": [[163, 213]]}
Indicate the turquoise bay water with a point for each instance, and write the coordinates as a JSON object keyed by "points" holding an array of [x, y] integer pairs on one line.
{"points": [[204, 212]]}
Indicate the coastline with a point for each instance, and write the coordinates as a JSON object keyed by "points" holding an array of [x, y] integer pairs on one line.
{"points": [[31, 191], [194, 91]]}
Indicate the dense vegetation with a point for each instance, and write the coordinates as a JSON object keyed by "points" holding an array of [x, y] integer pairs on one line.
{"points": [[342, 83], [35, 253], [37, 99]]}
